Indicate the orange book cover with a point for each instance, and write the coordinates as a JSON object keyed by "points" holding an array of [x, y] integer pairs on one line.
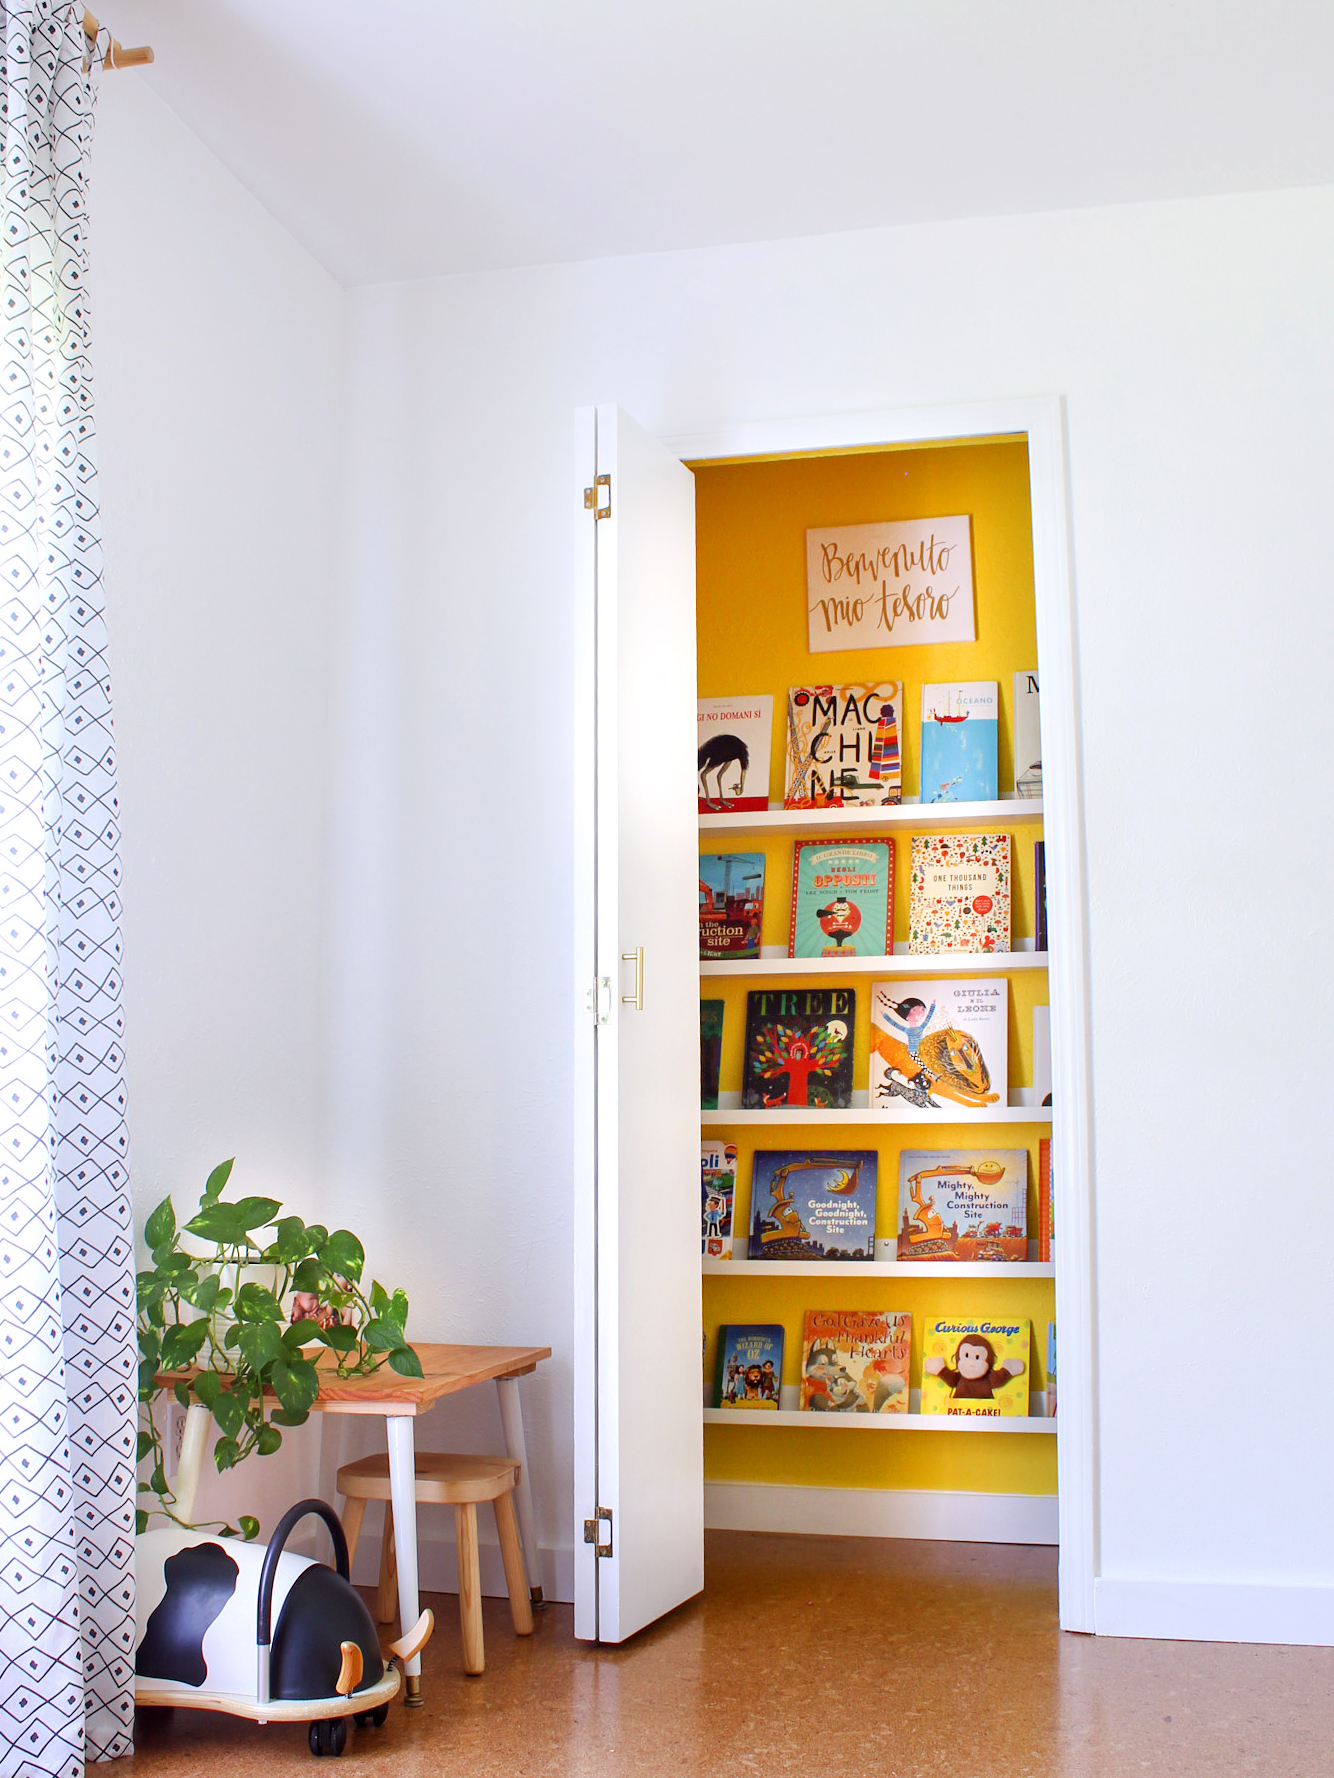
{"points": [[1044, 1198], [855, 1362]]}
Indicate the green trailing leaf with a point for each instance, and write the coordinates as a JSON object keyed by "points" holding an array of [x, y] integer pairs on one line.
{"points": [[226, 1454], [229, 1412], [383, 1335], [143, 1445], [217, 1179], [343, 1255], [398, 1308], [181, 1391], [149, 1288], [160, 1229], [255, 1303], [255, 1212], [218, 1222], [291, 1241], [259, 1342], [158, 1481], [268, 1440], [318, 1235], [147, 1380], [379, 1298], [149, 1344], [341, 1339], [181, 1343], [406, 1362], [249, 1527], [207, 1389], [300, 1334], [172, 1265], [203, 1293], [281, 1417], [140, 1522], [295, 1383], [307, 1276]]}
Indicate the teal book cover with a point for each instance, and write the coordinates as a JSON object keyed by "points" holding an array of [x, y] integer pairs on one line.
{"points": [[959, 740], [842, 899], [750, 1367]]}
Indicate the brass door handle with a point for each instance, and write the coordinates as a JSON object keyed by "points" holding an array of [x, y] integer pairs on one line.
{"points": [[637, 998]]}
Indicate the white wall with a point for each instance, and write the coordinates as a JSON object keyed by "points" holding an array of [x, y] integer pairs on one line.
{"points": [[218, 345], [1192, 343]]}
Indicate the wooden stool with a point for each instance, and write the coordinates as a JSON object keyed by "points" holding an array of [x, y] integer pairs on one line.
{"points": [[443, 1479]]}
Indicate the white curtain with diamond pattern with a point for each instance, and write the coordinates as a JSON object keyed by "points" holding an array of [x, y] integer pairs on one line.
{"points": [[67, 1350]]}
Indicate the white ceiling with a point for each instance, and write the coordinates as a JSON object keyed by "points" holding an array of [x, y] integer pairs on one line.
{"points": [[402, 138]]}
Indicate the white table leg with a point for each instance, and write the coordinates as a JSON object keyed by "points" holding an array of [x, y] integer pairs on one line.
{"points": [[403, 1489], [511, 1419], [194, 1442]]}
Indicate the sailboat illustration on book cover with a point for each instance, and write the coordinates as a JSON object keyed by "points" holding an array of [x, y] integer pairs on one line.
{"points": [[959, 741]]}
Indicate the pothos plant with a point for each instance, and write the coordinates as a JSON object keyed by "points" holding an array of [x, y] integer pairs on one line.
{"points": [[213, 1328]]}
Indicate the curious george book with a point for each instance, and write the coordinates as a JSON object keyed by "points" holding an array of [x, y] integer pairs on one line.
{"points": [[975, 1366], [855, 1362], [799, 1048]]}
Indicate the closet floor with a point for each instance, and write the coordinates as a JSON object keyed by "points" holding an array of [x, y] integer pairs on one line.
{"points": [[828, 1658]]}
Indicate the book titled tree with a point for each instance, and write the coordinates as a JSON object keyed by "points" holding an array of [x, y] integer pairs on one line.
{"points": [[855, 1361], [799, 1048]]}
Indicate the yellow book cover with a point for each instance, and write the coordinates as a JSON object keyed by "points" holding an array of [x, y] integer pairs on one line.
{"points": [[855, 1362], [972, 1366]]}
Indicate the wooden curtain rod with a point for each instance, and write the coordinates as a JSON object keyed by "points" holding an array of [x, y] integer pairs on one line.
{"points": [[116, 57]]}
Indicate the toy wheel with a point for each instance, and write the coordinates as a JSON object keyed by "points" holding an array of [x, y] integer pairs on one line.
{"points": [[380, 1715], [328, 1737]]}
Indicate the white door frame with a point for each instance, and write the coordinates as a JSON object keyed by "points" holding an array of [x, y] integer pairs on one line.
{"points": [[1042, 420]]}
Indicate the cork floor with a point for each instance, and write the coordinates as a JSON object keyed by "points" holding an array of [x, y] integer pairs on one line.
{"points": [[829, 1658]]}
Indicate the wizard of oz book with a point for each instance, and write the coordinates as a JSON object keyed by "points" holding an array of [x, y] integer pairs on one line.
{"points": [[855, 1362], [975, 1366], [717, 1184], [963, 1203], [799, 1047], [733, 737], [959, 893], [812, 1206], [842, 899], [939, 1044], [959, 736], [750, 1367], [731, 904], [710, 1051], [842, 746]]}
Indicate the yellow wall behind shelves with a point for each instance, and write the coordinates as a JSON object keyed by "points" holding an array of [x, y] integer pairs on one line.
{"points": [[751, 521]]}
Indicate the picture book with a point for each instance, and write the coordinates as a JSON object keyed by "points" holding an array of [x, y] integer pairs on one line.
{"points": [[1042, 1054], [1051, 1370], [812, 1205], [855, 1362], [939, 1044], [1027, 736], [896, 584], [959, 731], [717, 1179], [750, 1367], [963, 1203], [1040, 894], [842, 746], [1046, 1218], [972, 1366], [710, 1051], [731, 904], [799, 1047], [959, 893], [733, 737], [842, 899]]}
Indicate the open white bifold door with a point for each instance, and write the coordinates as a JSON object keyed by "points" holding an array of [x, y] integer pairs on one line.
{"points": [[639, 1467]]}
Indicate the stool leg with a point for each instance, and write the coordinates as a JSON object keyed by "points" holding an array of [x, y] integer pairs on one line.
{"points": [[511, 1552], [354, 1511], [470, 1587], [386, 1597]]}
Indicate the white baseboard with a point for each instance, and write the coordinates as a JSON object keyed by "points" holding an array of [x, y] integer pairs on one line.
{"points": [[940, 1514], [438, 1570], [1209, 1611]]}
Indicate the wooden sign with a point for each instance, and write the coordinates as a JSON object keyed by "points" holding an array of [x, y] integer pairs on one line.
{"points": [[890, 586]]}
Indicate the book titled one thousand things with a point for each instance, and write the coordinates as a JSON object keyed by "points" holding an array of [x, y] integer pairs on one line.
{"points": [[799, 1047], [959, 893], [813, 1205]]}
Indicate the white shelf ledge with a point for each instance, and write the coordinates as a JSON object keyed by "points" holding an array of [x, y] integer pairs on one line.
{"points": [[940, 963], [877, 1268], [1009, 812], [880, 1422], [779, 1115]]}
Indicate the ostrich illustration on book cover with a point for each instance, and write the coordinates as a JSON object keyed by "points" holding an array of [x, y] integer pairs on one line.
{"points": [[939, 1044], [799, 1048], [806, 1205], [732, 739]]}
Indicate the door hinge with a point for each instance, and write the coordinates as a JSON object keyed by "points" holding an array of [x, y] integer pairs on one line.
{"points": [[592, 1527], [597, 1001], [597, 499]]}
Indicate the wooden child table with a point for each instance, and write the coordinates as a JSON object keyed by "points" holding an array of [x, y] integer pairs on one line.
{"points": [[445, 1371]]}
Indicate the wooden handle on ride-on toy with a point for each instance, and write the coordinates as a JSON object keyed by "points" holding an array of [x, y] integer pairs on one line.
{"points": [[349, 1674]]}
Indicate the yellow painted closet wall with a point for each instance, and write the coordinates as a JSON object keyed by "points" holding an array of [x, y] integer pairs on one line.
{"points": [[751, 521]]}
